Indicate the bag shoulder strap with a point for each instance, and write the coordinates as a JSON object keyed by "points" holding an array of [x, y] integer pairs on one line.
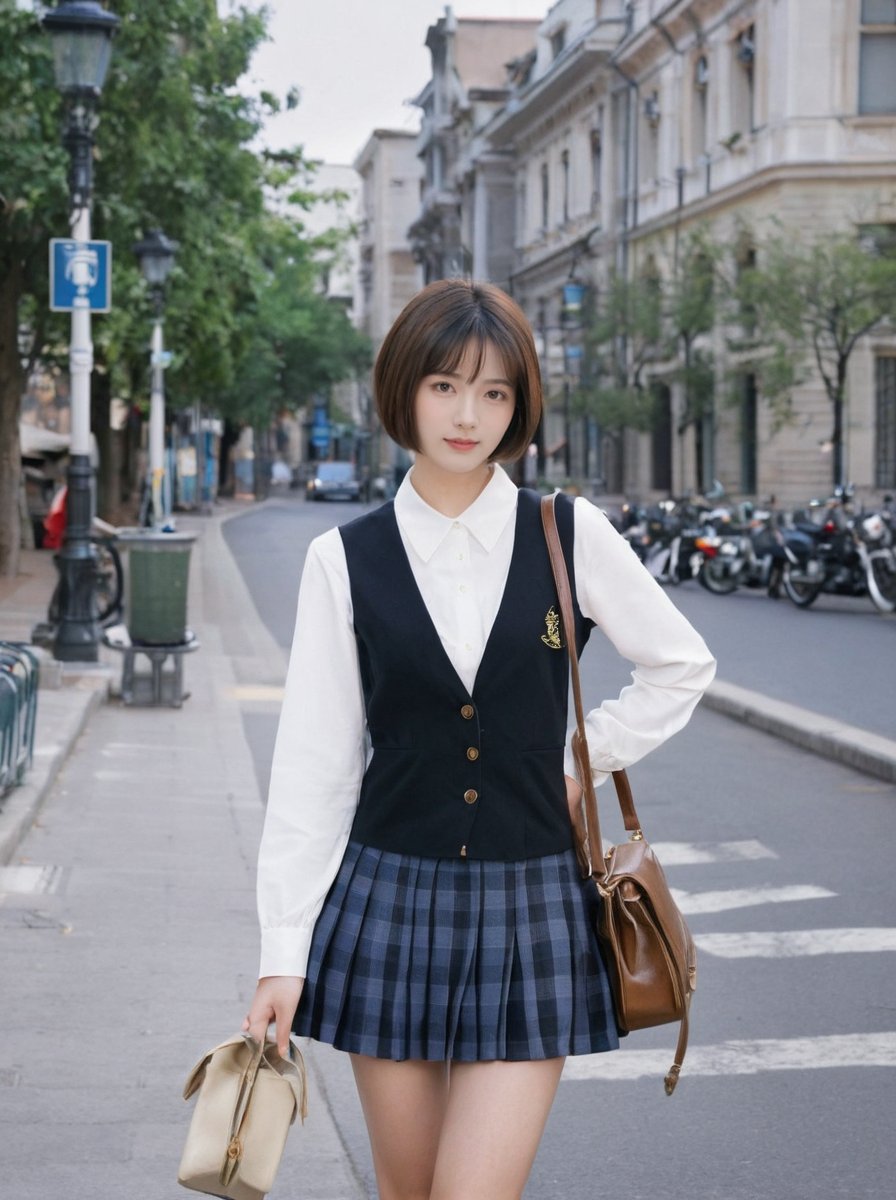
{"points": [[579, 742]]}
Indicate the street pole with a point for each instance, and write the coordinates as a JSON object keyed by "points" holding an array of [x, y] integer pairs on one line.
{"points": [[155, 254], [81, 31], [157, 427], [77, 634]]}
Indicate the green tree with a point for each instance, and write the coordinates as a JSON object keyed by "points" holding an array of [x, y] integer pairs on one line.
{"points": [[649, 325], [32, 207], [176, 149], [623, 334], [809, 304], [690, 311], [297, 342]]}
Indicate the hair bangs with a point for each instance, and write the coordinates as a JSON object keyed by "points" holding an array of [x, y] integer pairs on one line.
{"points": [[453, 344]]}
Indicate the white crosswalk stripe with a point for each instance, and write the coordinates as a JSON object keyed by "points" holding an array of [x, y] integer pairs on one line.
{"points": [[685, 854], [798, 943], [741, 1057], [744, 1057], [694, 903]]}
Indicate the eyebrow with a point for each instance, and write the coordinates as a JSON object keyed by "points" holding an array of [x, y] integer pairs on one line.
{"points": [[457, 375]]}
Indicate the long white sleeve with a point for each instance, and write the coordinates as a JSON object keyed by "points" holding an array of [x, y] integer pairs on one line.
{"points": [[673, 666], [318, 764]]}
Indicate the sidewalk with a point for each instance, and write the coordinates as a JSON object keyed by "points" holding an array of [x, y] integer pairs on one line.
{"points": [[127, 923], [127, 919]]}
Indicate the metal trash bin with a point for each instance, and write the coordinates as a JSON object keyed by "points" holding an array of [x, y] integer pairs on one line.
{"points": [[157, 581]]}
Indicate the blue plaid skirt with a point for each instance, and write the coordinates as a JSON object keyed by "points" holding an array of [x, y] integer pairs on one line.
{"points": [[460, 959]]}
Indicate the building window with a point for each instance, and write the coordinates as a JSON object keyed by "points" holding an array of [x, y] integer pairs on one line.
{"points": [[545, 196], [648, 156], [564, 169], [877, 57], [879, 240], [597, 167], [743, 113], [661, 440], [745, 265], [558, 41], [885, 449], [749, 435], [522, 224], [700, 107]]}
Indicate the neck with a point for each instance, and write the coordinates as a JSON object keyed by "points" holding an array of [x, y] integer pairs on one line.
{"points": [[446, 492]]}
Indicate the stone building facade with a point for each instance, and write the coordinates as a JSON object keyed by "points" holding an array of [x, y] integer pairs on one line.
{"points": [[596, 140], [744, 114], [464, 224], [390, 173]]}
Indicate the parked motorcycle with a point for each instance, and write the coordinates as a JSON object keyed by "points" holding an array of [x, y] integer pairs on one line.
{"points": [[664, 538], [742, 556], [844, 556]]}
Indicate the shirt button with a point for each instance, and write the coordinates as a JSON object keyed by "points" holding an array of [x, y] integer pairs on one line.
{"points": [[471, 796], [467, 712], [472, 753], [462, 588]]}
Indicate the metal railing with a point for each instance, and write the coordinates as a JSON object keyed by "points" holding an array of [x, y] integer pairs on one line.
{"points": [[19, 670]]}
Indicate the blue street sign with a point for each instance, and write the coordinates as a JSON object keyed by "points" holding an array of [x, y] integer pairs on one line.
{"points": [[82, 272], [320, 436]]}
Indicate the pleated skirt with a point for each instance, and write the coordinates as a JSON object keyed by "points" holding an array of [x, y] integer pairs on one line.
{"points": [[457, 959]]}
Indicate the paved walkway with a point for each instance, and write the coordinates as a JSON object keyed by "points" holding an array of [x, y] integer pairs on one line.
{"points": [[127, 925]]}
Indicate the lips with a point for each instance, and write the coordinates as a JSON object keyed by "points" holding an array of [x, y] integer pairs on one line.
{"points": [[461, 443]]}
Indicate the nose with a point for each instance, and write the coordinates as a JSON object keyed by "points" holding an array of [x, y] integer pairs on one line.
{"points": [[465, 412]]}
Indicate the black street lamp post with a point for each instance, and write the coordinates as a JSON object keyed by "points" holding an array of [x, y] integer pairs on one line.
{"points": [[82, 34], [155, 254]]}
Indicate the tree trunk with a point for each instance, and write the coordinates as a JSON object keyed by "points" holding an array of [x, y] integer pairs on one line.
{"points": [[11, 386], [838, 400]]}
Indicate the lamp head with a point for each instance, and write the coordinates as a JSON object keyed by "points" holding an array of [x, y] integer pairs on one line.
{"points": [[82, 32], [155, 254]]}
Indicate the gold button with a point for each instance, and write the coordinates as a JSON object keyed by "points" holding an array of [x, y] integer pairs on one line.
{"points": [[471, 796], [467, 712], [472, 753]]}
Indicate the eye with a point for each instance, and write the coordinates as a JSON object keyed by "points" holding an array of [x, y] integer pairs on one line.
{"points": [[442, 386], [496, 394]]}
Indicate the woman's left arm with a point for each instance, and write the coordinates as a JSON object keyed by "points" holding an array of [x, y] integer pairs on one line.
{"points": [[673, 666]]}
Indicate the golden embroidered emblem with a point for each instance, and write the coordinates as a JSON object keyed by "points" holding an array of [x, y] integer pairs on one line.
{"points": [[552, 637]]}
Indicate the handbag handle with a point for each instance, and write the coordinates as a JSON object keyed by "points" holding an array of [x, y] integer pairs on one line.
{"points": [[579, 741]]}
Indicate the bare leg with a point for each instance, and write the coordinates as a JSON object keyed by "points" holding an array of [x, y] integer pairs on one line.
{"points": [[404, 1106], [493, 1123]]}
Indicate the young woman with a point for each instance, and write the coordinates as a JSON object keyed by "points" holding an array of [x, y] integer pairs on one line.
{"points": [[420, 900]]}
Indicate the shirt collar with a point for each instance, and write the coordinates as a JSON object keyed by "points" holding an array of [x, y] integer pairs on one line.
{"points": [[425, 527]]}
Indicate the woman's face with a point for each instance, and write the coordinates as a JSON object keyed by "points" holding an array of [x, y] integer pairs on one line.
{"points": [[461, 421]]}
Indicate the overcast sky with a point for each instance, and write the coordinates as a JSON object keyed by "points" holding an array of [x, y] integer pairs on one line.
{"points": [[357, 63]]}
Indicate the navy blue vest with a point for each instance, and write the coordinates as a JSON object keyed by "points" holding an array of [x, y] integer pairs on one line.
{"points": [[455, 774]]}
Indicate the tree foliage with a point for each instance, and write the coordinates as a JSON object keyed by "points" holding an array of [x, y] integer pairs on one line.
{"points": [[176, 149], [650, 325], [809, 304]]}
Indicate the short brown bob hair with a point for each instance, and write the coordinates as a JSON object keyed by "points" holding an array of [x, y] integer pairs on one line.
{"points": [[431, 335]]}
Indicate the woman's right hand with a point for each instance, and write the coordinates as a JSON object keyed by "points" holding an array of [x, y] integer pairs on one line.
{"points": [[276, 999]]}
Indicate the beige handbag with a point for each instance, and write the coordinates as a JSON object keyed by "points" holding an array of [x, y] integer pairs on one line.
{"points": [[647, 947], [248, 1098]]}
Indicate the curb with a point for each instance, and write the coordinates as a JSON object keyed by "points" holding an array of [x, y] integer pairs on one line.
{"points": [[67, 710], [847, 744]]}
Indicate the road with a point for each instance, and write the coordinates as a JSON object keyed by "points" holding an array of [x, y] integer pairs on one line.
{"points": [[783, 864]]}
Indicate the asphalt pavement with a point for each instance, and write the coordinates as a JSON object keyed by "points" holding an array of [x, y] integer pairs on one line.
{"points": [[128, 938]]}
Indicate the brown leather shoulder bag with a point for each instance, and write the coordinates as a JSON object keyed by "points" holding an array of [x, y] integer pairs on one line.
{"points": [[646, 944]]}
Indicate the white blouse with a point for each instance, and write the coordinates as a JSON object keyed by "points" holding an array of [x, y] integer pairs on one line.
{"points": [[460, 566]]}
